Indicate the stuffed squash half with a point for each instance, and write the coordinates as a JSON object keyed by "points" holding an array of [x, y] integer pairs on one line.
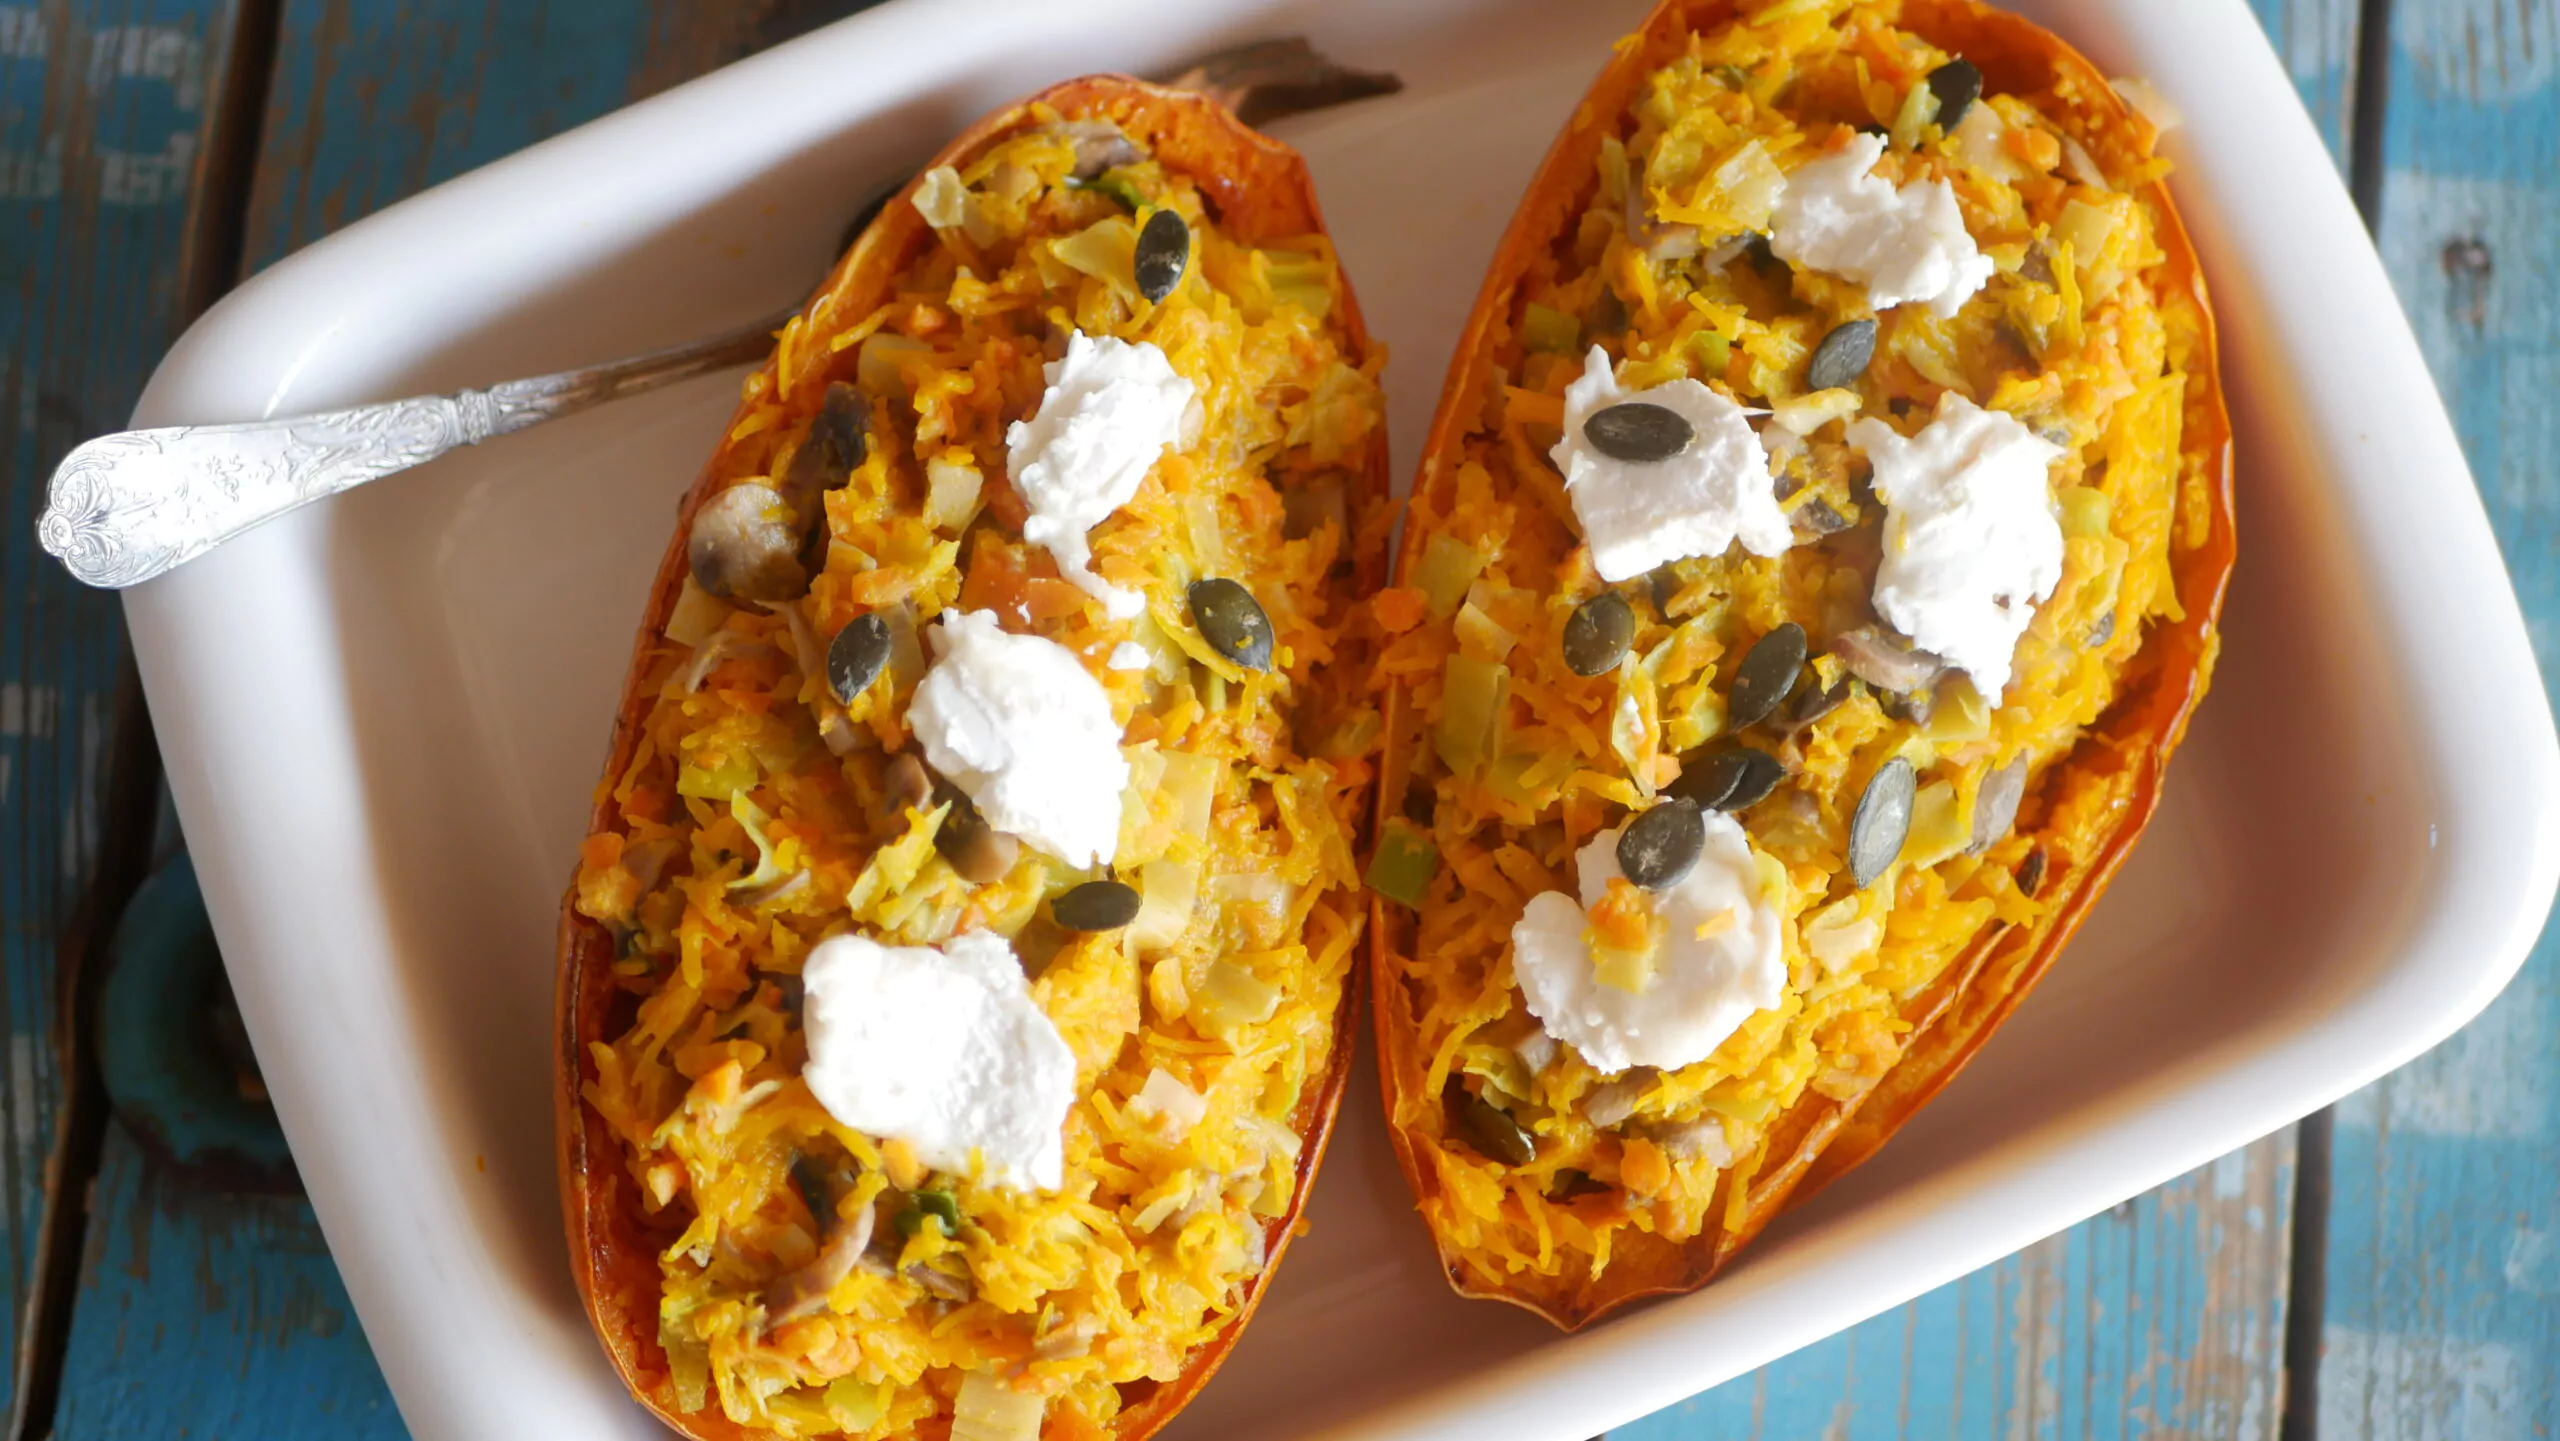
{"points": [[1814, 561], [954, 984]]}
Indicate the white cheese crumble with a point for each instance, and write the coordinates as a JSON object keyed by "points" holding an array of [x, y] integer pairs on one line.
{"points": [[1129, 655], [1637, 515], [1971, 545], [1719, 959], [1111, 409], [1020, 725], [1903, 245], [942, 1049]]}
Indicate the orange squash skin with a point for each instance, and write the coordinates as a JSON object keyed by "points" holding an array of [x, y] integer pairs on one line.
{"points": [[1258, 188], [1818, 1139]]}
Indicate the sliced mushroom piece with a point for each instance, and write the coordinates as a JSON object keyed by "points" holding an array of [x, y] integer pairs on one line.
{"points": [[1611, 1102], [800, 1292], [1099, 146], [1995, 805], [1885, 660], [745, 545], [1661, 241]]}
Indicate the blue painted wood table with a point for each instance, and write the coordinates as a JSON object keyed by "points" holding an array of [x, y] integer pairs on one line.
{"points": [[2391, 1270]]}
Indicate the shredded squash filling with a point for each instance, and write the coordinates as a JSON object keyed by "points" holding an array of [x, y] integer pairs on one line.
{"points": [[818, 1280], [1571, 1188]]}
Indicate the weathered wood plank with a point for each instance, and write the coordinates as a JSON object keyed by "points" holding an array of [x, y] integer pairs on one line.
{"points": [[102, 106], [2444, 1243], [207, 1314]]}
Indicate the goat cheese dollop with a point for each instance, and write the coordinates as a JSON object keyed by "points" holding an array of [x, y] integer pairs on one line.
{"points": [[1111, 409], [1717, 959], [1971, 544], [1903, 245], [941, 1048], [1020, 726], [1638, 514]]}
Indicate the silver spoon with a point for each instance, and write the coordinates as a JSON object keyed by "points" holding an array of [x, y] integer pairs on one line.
{"points": [[127, 507]]}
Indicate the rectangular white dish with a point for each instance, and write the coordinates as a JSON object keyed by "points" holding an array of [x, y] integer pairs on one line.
{"points": [[382, 716]]}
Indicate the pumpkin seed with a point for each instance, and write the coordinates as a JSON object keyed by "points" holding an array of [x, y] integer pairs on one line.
{"points": [[1231, 620], [1164, 249], [1639, 430], [1660, 846], [1096, 906], [1730, 778], [839, 438], [1598, 633], [1842, 356], [2103, 631], [1957, 84], [2031, 873], [1490, 1129], [817, 1193], [1883, 821], [1706, 782], [1663, 583], [1816, 701], [1765, 676], [978, 851], [856, 657], [1817, 518], [1995, 805]]}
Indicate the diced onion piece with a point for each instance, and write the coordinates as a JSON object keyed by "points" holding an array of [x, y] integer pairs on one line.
{"points": [[1106, 250], [1192, 783], [1919, 107], [1481, 634], [1962, 715], [1808, 413], [1981, 143], [1405, 862], [2145, 97], [1167, 892], [989, 1410], [1174, 1107], [697, 616], [1937, 827], [1229, 996], [942, 199], [1748, 185], [951, 491], [879, 367], [1839, 934]]}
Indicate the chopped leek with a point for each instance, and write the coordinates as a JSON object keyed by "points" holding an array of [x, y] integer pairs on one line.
{"points": [[2087, 513], [1962, 715], [942, 199], [1305, 281], [752, 819], [718, 775], [1405, 862], [880, 366], [1938, 828], [1106, 250], [989, 1410], [855, 1406], [1167, 890], [1748, 185], [697, 616], [1230, 996], [940, 1207], [1192, 782], [1713, 352], [951, 495], [1449, 566], [1481, 634], [1471, 696], [1550, 330], [1173, 1106], [1113, 184]]}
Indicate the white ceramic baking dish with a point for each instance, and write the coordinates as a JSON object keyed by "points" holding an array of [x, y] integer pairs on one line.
{"points": [[382, 715]]}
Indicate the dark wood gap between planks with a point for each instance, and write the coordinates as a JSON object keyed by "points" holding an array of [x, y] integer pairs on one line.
{"points": [[2307, 1285], [209, 265]]}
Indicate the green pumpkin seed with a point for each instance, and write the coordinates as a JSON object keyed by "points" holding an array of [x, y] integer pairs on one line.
{"points": [[1598, 633], [1765, 676], [838, 439], [2031, 873], [1490, 1129], [1662, 845], [1957, 84], [1232, 621], [1995, 805], [978, 851], [856, 657], [1164, 250], [1096, 906], [1730, 778], [1883, 821], [1639, 431], [1816, 701], [1842, 356]]}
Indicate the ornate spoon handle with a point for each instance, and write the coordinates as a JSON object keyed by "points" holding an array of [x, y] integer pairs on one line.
{"points": [[126, 507]]}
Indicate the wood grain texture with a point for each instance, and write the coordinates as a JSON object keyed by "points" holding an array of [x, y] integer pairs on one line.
{"points": [[2443, 1268], [102, 106], [211, 1315]]}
